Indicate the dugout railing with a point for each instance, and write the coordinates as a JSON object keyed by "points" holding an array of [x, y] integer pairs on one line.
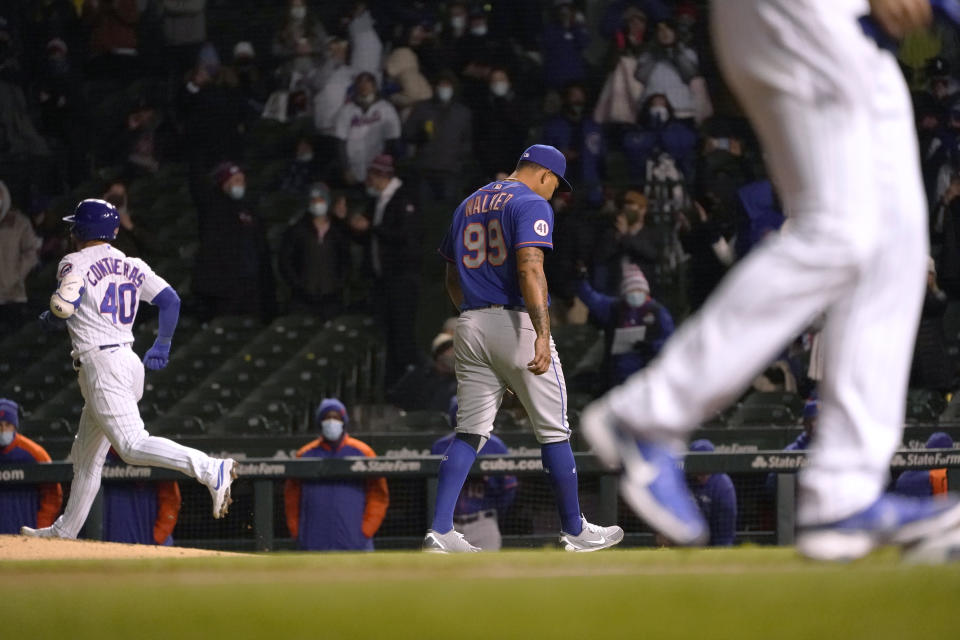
{"points": [[256, 520]]}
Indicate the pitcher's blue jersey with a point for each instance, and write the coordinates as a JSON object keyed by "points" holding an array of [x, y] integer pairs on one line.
{"points": [[487, 229]]}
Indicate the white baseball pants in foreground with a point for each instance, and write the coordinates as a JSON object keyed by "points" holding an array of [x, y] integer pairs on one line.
{"points": [[834, 117], [112, 383]]}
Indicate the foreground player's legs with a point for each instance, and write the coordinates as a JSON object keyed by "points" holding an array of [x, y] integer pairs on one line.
{"points": [[116, 380], [807, 101]]}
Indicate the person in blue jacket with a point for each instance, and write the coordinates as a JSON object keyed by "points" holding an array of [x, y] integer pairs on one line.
{"points": [[483, 501], [926, 482], [139, 512], [32, 505], [717, 499], [337, 514], [635, 325]]}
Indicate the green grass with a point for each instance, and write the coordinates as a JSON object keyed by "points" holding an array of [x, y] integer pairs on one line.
{"points": [[740, 593]]}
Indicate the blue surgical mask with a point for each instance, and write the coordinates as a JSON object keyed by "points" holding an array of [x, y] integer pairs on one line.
{"points": [[444, 93], [318, 208], [237, 191], [635, 298], [331, 430], [7, 437], [373, 192]]}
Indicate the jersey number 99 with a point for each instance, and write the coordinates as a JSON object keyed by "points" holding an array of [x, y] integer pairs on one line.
{"points": [[120, 302], [484, 244]]}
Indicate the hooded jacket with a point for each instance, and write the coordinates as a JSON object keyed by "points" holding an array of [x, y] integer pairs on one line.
{"points": [[18, 250]]}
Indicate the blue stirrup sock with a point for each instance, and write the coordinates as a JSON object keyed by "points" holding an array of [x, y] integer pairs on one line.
{"points": [[560, 466], [457, 460]]}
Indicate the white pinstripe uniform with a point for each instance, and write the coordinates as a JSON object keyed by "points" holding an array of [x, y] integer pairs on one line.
{"points": [[111, 379], [834, 116]]}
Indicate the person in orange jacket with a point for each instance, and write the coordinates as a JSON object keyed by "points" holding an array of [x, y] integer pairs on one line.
{"points": [[24, 504], [139, 512], [340, 514]]}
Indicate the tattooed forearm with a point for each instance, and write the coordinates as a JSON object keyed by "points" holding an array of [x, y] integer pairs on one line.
{"points": [[533, 286]]}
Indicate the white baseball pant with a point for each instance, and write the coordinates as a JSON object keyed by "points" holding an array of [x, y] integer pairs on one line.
{"points": [[111, 382], [482, 532], [492, 348], [835, 120]]}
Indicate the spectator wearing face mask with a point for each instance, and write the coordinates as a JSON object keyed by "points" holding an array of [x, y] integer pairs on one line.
{"points": [[249, 81], [210, 115], [302, 170], [61, 108], [23, 504], [503, 124], [391, 235], [364, 126], [441, 130], [629, 237], [132, 240], [430, 385], [333, 81], [635, 325], [232, 271], [298, 25], [658, 130], [338, 514], [314, 258], [481, 48], [564, 40], [669, 67], [572, 131]]}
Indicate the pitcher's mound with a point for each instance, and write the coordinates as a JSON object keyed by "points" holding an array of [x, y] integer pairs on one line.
{"points": [[23, 548]]}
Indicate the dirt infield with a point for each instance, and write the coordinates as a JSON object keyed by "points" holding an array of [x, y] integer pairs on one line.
{"points": [[21, 548]]}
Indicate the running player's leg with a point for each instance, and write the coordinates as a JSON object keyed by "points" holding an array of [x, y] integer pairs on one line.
{"points": [[869, 334], [116, 382], [544, 398], [88, 454], [805, 97], [479, 394]]}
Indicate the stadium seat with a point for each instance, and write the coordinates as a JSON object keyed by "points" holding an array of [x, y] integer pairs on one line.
{"points": [[787, 399], [421, 422], [57, 416], [760, 415], [177, 425], [924, 405]]}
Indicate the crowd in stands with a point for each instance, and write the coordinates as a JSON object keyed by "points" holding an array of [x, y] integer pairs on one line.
{"points": [[325, 145]]}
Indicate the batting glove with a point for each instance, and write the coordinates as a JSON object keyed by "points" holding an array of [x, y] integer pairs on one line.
{"points": [[51, 323], [158, 355]]}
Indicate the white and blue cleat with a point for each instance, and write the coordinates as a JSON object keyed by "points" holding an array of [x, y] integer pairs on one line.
{"points": [[652, 483], [927, 529]]}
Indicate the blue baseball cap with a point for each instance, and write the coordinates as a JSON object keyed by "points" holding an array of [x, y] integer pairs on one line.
{"points": [[702, 445], [549, 158]]}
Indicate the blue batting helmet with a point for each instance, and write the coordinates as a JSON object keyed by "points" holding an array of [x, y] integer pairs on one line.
{"points": [[94, 220]]}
